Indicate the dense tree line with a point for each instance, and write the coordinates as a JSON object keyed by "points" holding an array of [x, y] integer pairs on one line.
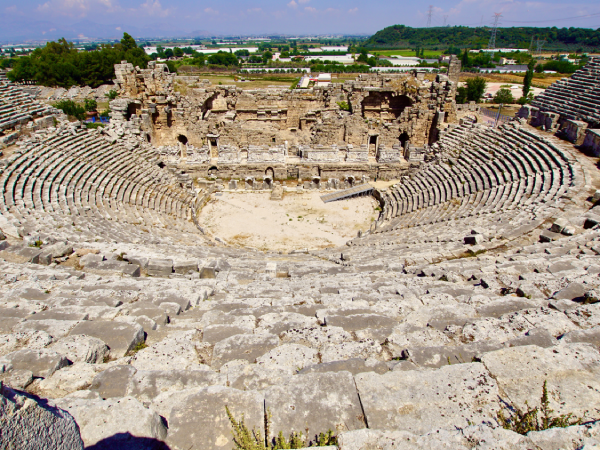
{"points": [[60, 64], [400, 36]]}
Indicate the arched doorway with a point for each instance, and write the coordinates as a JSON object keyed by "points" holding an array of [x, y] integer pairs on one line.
{"points": [[270, 173], [403, 139], [182, 139], [213, 171]]}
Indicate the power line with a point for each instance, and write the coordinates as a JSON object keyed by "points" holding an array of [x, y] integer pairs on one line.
{"points": [[492, 43], [445, 19], [429, 14], [554, 20]]}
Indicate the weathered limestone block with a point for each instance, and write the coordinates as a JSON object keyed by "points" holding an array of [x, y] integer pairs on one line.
{"points": [[120, 337], [69, 379], [200, 421], [315, 402], [115, 423], [243, 346], [423, 400], [42, 363], [571, 371], [31, 425], [80, 348]]}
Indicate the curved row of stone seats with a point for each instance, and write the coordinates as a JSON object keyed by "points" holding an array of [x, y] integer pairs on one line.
{"points": [[487, 170], [75, 172], [444, 343], [18, 107], [576, 97]]}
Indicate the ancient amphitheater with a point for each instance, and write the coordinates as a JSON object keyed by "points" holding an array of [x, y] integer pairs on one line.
{"points": [[126, 325]]}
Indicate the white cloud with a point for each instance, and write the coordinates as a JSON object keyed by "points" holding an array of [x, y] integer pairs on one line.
{"points": [[310, 9], [353, 11], [154, 8], [118, 28], [303, 1], [292, 4], [254, 10], [211, 11]]}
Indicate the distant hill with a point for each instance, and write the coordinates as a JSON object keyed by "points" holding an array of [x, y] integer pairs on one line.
{"points": [[400, 36]]}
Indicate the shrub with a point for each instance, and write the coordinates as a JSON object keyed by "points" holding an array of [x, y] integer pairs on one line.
{"points": [[70, 108], [90, 105], [344, 106], [244, 439], [112, 94], [523, 422]]}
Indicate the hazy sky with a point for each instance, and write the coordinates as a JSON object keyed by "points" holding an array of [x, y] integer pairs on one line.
{"points": [[36, 19]]}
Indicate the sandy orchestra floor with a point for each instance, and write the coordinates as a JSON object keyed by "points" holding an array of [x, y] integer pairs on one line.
{"points": [[300, 220]]}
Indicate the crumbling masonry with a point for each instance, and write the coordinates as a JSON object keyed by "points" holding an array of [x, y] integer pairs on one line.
{"points": [[373, 126]]}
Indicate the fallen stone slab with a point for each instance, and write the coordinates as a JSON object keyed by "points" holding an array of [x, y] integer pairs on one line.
{"points": [[571, 371], [292, 356], [28, 424], [242, 346], [114, 381], [549, 236], [160, 267], [200, 420], [422, 400], [574, 437], [59, 249], [80, 348], [591, 336], [574, 291], [359, 321], [42, 363], [251, 377], [146, 385], [354, 366], [21, 254], [69, 379], [17, 379], [120, 337], [446, 355], [215, 333], [115, 423], [178, 351], [184, 267], [314, 403]]}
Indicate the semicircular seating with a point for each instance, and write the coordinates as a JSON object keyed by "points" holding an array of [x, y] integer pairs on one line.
{"points": [[74, 173]]}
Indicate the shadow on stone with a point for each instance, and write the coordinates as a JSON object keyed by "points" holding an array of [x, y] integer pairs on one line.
{"points": [[126, 441]]}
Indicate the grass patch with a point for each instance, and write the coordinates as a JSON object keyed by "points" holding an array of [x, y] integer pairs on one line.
{"points": [[139, 346]]}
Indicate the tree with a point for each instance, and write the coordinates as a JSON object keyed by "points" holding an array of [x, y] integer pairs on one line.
{"points": [[177, 52], [465, 59], [461, 95], [128, 42], [528, 77], [169, 53], [504, 96], [242, 52], [475, 89], [267, 56], [223, 59]]}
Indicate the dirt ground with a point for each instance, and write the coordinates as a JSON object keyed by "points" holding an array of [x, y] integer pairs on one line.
{"points": [[298, 221]]}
